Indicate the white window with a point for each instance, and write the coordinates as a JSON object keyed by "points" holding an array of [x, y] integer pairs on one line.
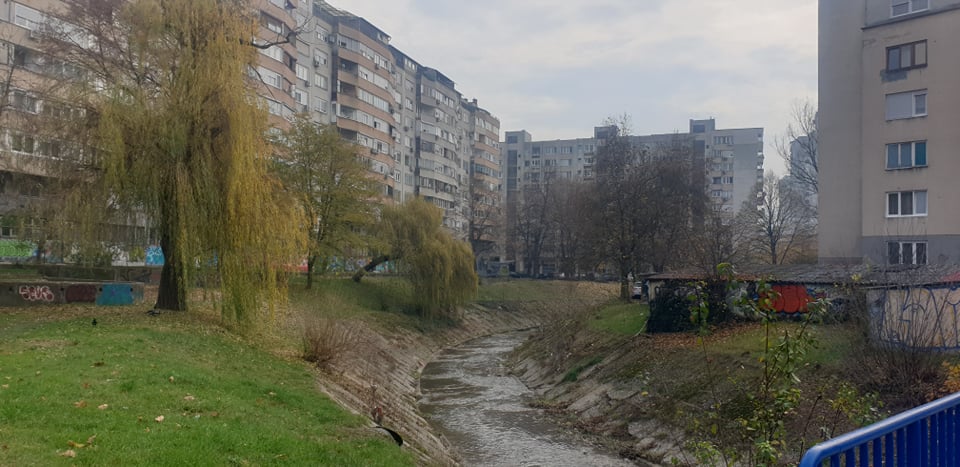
{"points": [[906, 155], [270, 77], [903, 7], [907, 252], [906, 104], [906, 203], [320, 105], [321, 81], [27, 17], [303, 73], [273, 52]]}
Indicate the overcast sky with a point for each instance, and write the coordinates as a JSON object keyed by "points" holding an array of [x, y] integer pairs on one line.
{"points": [[557, 68]]}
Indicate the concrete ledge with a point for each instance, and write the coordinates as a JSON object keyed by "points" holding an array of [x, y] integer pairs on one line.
{"points": [[28, 293]]}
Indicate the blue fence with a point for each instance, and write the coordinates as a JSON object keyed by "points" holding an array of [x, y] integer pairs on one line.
{"points": [[928, 435]]}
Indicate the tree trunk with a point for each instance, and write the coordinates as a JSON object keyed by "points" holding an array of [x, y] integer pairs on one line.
{"points": [[170, 296], [310, 262], [370, 267]]}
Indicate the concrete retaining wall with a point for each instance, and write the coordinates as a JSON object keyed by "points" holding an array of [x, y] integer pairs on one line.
{"points": [[27, 293]]}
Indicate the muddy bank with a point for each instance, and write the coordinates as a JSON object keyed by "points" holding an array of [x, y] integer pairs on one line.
{"points": [[384, 368]]}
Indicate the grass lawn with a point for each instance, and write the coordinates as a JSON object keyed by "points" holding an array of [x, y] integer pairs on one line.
{"points": [[621, 318], [174, 389]]}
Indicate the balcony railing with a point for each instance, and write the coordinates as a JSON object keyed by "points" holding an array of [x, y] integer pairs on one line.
{"points": [[928, 435]]}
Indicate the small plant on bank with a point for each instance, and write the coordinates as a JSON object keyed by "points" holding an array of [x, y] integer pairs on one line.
{"points": [[758, 418], [325, 341]]}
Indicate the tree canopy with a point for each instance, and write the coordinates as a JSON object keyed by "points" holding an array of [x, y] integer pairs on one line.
{"points": [[181, 139], [440, 268], [322, 171]]}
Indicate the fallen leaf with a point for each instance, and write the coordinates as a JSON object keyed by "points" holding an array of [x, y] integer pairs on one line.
{"points": [[98, 363], [188, 398], [75, 444], [69, 453], [86, 385], [214, 414], [146, 430], [272, 393], [5, 386], [90, 439], [80, 404], [159, 419], [171, 379], [103, 406]]}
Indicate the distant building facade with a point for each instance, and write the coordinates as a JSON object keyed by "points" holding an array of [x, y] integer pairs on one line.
{"points": [[419, 136], [889, 103], [730, 160]]}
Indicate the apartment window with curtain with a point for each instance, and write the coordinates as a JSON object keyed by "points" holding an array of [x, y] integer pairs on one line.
{"points": [[907, 155]]}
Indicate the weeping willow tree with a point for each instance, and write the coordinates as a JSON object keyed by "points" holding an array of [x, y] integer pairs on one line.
{"points": [[439, 267], [322, 171], [180, 138]]}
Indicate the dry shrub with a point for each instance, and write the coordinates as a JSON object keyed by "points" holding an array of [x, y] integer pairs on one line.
{"points": [[326, 341]]}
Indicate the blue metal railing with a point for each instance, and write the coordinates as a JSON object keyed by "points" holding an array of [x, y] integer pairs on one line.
{"points": [[928, 435]]}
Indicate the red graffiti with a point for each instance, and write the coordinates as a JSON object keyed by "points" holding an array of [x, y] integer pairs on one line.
{"points": [[793, 299], [36, 293]]}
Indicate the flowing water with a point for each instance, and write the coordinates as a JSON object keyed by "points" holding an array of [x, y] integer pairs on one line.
{"points": [[485, 412]]}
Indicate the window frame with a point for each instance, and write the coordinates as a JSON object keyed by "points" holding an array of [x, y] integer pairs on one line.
{"points": [[913, 145], [916, 257], [914, 204], [912, 47], [911, 8], [914, 108]]}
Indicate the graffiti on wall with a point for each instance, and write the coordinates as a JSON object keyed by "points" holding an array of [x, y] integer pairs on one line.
{"points": [[921, 316], [36, 293], [153, 256], [794, 298]]}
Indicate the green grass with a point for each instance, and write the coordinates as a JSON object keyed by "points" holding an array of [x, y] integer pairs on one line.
{"points": [[527, 290], [621, 318], [574, 372], [64, 382]]}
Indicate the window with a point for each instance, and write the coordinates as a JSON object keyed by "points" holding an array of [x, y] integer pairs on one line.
{"points": [[906, 155], [906, 203], [907, 252], [27, 17], [907, 56], [302, 72], [903, 7], [320, 105], [906, 105], [321, 81], [20, 100]]}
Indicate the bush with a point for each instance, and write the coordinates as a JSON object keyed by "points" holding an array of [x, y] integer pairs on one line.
{"points": [[670, 311], [325, 341]]}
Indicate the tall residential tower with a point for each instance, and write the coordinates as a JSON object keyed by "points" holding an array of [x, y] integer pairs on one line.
{"points": [[889, 106]]}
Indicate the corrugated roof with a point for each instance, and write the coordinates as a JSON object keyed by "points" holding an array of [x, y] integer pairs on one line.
{"points": [[866, 274]]}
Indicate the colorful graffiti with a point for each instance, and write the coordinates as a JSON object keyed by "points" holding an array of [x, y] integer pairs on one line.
{"points": [[794, 298], [16, 249], [154, 256], [36, 293]]}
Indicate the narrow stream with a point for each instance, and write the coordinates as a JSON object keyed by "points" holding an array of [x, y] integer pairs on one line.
{"points": [[485, 412]]}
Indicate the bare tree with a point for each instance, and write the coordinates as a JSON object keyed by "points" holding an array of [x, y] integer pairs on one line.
{"points": [[798, 146], [782, 222]]}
